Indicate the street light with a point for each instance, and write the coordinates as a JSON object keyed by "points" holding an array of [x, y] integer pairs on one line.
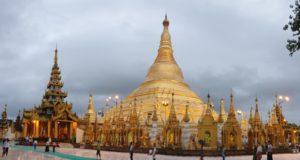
{"points": [[280, 99]]}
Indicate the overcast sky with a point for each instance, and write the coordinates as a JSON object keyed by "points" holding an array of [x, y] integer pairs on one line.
{"points": [[106, 48]]}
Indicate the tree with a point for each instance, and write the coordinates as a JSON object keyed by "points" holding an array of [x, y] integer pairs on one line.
{"points": [[293, 44]]}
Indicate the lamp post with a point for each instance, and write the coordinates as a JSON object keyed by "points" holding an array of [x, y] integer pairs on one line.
{"points": [[281, 99]]}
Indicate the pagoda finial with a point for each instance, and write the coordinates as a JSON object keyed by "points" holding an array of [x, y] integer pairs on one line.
{"points": [[166, 21], [55, 56], [165, 40], [251, 116], [186, 117], [222, 115], [256, 115], [231, 108]]}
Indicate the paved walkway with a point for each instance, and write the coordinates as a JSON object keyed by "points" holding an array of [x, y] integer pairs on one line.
{"points": [[27, 153]]}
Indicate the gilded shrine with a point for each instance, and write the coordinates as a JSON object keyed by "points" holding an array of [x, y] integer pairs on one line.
{"points": [[53, 118]]}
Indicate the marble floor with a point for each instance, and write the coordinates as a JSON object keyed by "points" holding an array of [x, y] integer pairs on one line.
{"points": [[27, 153]]}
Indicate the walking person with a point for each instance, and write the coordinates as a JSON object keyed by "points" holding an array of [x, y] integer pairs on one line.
{"points": [[154, 152], [269, 151], [223, 153], [131, 150], [259, 152], [53, 146], [3, 147], [6, 147], [98, 148], [254, 152], [47, 147], [34, 144]]}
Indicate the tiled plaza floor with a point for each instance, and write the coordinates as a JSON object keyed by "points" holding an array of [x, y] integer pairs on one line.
{"points": [[26, 153]]}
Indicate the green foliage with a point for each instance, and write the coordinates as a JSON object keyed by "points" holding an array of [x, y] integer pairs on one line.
{"points": [[293, 44]]}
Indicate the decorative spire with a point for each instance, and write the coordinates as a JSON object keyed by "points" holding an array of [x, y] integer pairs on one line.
{"points": [[186, 117], [154, 117], [54, 93], [222, 115], [134, 112], [172, 116], [251, 116], [91, 103], [121, 112], [256, 115], [165, 66], [231, 108], [165, 40], [55, 57], [208, 107]]}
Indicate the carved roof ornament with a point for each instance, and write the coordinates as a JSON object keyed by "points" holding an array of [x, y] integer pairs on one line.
{"points": [[172, 116], [186, 117], [154, 117], [222, 115]]}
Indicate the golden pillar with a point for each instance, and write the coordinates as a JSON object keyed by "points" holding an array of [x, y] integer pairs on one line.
{"points": [[34, 128], [49, 129], [55, 129], [25, 129], [37, 128], [71, 130]]}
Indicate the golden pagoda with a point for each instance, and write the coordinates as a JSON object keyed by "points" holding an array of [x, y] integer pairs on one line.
{"points": [[256, 133], [165, 112], [207, 127], [232, 133], [164, 78], [53, 118], [90, 114]]}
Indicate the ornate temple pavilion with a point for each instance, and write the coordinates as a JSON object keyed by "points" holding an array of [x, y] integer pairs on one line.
{"points": [[53, 118]]}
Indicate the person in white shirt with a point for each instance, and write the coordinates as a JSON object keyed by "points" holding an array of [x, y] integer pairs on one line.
{"points": [[47, 147], [259, 152], [6, 146], [34, 144]]}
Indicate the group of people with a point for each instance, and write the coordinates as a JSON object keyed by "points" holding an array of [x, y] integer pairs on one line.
{"points": [[54, 145], [28, 140], [5, 147], [258, 152], [152, 152]]}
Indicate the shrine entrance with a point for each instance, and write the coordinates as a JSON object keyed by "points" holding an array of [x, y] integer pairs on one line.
{"points": [[64, 130]]}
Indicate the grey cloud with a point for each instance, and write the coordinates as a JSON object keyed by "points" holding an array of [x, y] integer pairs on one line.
{"points": [[105, 48]]}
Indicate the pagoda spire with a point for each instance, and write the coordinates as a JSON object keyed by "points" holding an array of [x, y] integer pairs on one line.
{"points": [[172, 116], [54, 93], [231, 108], [256, 115], [222, 115], [251, 116], [55, 57], [165, 40], [186, 117], [154, 117], [165, 63], [91, 106], [134, 112], [121, 118], [208, 107]]}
